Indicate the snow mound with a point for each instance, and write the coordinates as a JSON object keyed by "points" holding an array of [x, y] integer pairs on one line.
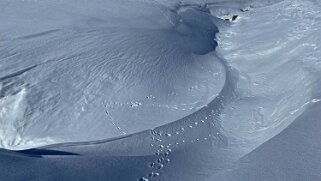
{"points": [[160, 90]]}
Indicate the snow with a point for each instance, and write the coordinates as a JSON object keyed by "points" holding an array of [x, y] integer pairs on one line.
{"points": [[107, 70], [160, 90]]}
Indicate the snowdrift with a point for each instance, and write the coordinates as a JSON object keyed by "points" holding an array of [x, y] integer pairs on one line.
{"points": [[160, 90]]}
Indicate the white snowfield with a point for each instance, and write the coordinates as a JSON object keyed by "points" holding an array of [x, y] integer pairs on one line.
{"points": [[168, 90]]}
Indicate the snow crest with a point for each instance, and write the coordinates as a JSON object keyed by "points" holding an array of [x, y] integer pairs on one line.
{"points": [[165, 90]]}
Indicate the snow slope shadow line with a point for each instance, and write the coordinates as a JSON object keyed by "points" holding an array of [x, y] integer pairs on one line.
{"points": [[18, 73], [36, 153], [40, 34], [46, 152]]}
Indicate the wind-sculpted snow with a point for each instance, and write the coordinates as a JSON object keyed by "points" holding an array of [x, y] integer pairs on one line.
{"points": [[120, 74], [160, 90]]}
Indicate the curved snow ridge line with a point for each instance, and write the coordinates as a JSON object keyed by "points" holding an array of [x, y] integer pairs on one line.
{"points": [[193, 34], [105, 140], [218, 101], [210, 112], [201, 126], [207, 115], [206, 131]]}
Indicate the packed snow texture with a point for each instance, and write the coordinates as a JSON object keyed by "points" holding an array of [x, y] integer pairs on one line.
{"points": [[165, 90]]}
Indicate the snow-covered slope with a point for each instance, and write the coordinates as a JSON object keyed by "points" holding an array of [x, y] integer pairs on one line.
{"points": [[172, 90], [97, 73]]}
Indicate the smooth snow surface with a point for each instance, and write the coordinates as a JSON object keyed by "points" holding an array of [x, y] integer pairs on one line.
{"points": [[172, 90]]}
